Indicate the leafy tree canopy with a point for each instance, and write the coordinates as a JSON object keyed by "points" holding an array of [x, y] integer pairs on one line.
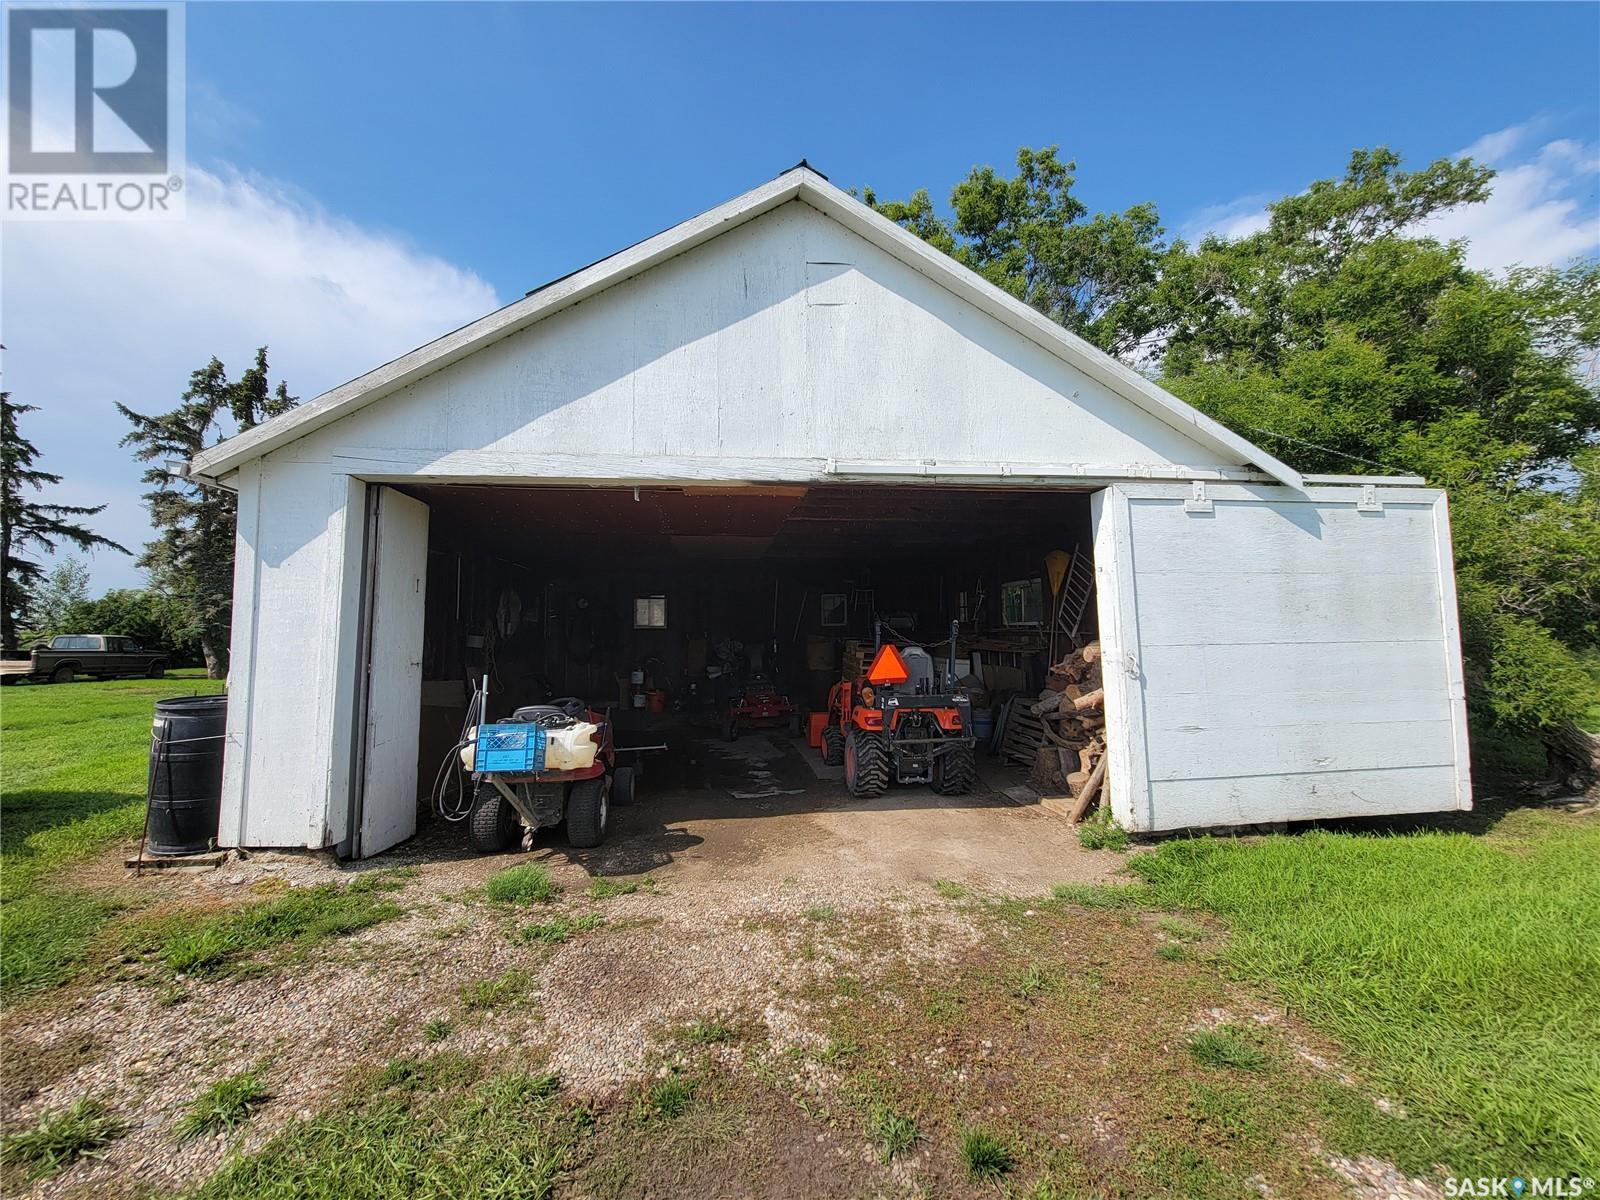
{"points": [[192, 558], [28, 525], [1342, 339]]}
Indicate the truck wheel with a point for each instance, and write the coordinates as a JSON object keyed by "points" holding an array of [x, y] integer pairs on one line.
{"points": [[954, 772], [63, 674], [494, 823], [588, 812], [832, 745], [157, 670], [623, 782], [866, 764]]}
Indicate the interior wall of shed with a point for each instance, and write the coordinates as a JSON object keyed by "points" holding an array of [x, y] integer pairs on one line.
{"points": [[537, 588]]}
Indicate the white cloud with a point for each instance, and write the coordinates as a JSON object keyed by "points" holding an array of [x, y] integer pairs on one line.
{"points": [[98, 312], [1235, 219], [1543, 209]]}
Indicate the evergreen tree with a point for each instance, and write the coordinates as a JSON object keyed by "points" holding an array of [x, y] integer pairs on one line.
{"points": [[27, 524], [192, 559]]}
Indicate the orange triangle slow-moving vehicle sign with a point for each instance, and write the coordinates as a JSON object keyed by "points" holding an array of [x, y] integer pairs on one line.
{"points": [[888, 667]]}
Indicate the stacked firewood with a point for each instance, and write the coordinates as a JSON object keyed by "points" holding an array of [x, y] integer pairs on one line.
{"points": [[1072, 714]]}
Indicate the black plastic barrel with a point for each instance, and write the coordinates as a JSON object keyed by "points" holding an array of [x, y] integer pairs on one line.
{"points": [[185, 793]]}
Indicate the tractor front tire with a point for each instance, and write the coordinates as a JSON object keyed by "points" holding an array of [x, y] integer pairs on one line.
{"points": [[866, 764], [955, 771], [494, 823], [832, 745], [588, 812]]}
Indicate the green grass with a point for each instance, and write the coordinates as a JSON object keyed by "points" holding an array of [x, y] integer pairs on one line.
{"points": [[225, 1105], [949, 889], [820, 912], [669, 1098], [1100, 832], [413, 1132], [559, 929], [1030, 982], [890, 1132], [296, 920], [709, 1030], [1463, 972], [436, 1030], [525, 884], [601, 888], [74, 760], [1226, 1047], [838, 1050], [984, 1155], [62, 1137], [1101, 896], [499, 991]]}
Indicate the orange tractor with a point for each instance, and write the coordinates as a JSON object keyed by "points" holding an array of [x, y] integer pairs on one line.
{"points": [[897, 724]]}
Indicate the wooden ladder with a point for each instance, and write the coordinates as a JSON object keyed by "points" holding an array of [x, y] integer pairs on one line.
{"points": [[1076, 591]]}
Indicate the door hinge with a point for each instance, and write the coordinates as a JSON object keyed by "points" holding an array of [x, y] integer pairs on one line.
{"points": [[1198, 501]]}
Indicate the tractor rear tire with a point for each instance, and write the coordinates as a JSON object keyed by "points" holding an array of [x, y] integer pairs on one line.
{"points": [[588, 812], [494, 823], [954, 772], [866, 764], [832, 746]]}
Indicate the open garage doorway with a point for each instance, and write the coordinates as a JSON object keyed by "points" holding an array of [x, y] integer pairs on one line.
{"points": [[716, 621]]}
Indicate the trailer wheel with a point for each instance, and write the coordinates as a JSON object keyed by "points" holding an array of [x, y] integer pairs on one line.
{"points": [[494, 823], [954, 772], [866, 764], [63, 674], [588, 812], [623, 782], [832, 745]]}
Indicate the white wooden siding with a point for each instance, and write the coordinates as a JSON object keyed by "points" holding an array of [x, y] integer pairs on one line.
{"points": [[789, 338], [1282, 656]]}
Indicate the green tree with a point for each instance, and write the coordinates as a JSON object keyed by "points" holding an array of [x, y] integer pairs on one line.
{"points": [[192, 559], [1340, 338], [1031, 236], [28, 525], [58, 598]]}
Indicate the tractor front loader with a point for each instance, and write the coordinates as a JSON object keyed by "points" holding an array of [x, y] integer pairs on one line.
{"points": [[894, 726]]}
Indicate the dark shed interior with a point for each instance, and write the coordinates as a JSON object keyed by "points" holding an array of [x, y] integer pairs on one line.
{"points": [[658, 600]]}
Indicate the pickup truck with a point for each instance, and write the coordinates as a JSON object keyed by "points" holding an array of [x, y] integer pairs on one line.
{"points": [[70, 655]]}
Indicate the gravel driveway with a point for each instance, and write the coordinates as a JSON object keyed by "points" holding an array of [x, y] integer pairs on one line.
{"points": [[740, 842]]}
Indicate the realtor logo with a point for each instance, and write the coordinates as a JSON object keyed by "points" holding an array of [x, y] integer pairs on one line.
{"points": [[94, 111]]}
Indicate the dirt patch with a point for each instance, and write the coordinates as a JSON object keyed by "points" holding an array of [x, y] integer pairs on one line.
{"points": [[740, 849]]}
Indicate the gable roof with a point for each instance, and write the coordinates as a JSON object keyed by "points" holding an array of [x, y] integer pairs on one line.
{"points": [[800, 182]]}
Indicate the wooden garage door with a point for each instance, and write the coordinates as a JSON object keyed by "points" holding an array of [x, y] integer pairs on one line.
{"points": [[1277, 655]]}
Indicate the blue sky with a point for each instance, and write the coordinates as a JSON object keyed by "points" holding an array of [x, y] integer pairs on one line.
{"points": [[368, 175]]}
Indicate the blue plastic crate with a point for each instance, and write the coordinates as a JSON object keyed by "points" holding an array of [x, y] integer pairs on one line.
{"points": [[510, 749]]}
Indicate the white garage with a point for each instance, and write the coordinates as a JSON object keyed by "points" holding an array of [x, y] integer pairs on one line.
{"points": [[768, 425]]}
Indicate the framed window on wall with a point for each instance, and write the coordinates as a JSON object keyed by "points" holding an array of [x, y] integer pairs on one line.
{"points": [[835, 610], [649, 612], [1022, 602]]}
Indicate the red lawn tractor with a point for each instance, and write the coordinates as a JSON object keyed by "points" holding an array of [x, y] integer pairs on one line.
{"points": [[758, 705], [892, 726], [512, 801]]}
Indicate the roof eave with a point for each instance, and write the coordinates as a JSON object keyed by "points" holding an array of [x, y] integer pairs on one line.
{"points": [[800, 182]]}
